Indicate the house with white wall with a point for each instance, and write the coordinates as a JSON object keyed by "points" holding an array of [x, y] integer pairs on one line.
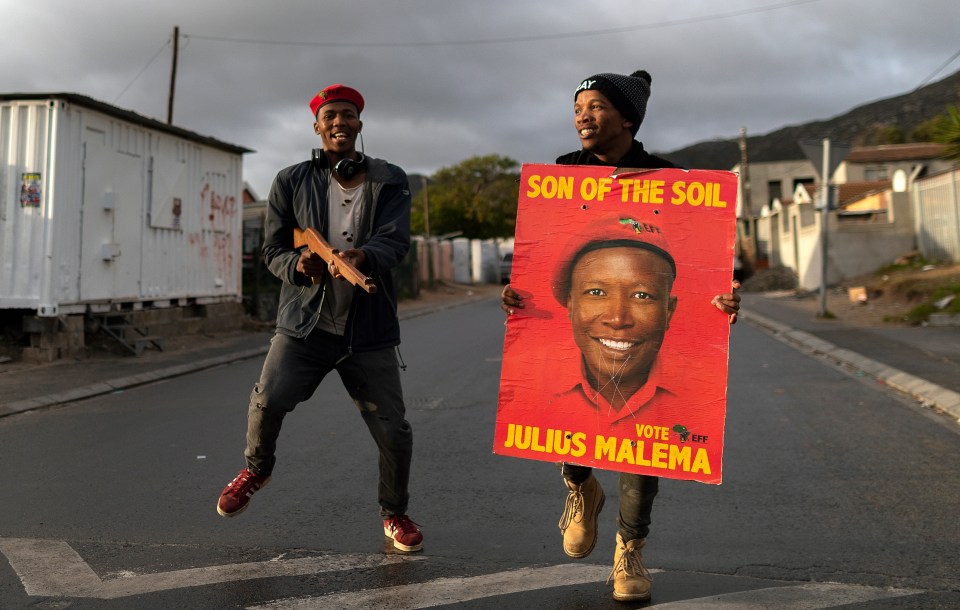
{"points": [[872, 220]]}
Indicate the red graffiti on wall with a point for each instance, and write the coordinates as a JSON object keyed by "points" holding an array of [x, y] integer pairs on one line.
{"points": [[217, 253], [224, 255], [220, 208], [216, 242], [196, 240]]}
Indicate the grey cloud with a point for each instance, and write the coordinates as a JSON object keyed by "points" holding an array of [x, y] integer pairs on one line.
{"points": [[431, 106]]}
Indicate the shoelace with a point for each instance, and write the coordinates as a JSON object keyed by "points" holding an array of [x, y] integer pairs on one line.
{"points": [[572, 510], [631, 563], [403, 524], [243, 484]]}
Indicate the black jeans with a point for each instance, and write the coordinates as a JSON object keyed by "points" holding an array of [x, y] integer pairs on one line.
{"points": [[637, 492], [291, 373]]}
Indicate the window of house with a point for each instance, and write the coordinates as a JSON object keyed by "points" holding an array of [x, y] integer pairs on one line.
{"points": [[774, 190], [875, 172], [807, 182]]}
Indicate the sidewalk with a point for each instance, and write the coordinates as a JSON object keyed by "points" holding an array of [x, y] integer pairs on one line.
{"points": [[24, 387], [921, 362]]}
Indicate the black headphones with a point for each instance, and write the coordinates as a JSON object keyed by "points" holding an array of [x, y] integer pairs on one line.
{"points": [[348, 168], [345, 168]]}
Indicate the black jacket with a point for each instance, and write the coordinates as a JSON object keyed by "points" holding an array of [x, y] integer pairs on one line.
{"points": [[637, 158], [298, 198]]}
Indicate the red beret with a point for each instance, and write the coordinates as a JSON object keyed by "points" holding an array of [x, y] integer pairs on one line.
{"points": [[608, 231], [336, 93]]}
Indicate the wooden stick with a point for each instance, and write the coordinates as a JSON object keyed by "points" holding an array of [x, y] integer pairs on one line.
{"points": [[311, 238]]}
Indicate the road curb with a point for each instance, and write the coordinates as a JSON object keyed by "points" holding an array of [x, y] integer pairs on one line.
{"points": [[130, 381], [926, 393], [121, 383]]}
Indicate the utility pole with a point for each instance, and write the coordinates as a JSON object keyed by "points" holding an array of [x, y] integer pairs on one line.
{"points": [[824, 220], [426, 207], [173, 73], [828, 156], [752, 253], [745, 174], [426, 229]]}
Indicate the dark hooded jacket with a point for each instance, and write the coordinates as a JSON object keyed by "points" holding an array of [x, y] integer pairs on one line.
{"points": [[637, 158], [298, 198]]}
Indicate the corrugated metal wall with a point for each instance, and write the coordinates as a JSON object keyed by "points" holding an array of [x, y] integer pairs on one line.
{"points": [[938, 216], [24, 189], [125, 213]]}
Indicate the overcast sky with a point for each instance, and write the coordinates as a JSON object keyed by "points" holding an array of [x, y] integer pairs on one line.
{"points": [[448, 79]]}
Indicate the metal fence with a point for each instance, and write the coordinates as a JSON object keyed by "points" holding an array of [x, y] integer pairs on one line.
{"points": [[938, 216]]}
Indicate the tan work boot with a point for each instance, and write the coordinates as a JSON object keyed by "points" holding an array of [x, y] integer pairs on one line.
{"points": [[579, 521], [631, 581]]}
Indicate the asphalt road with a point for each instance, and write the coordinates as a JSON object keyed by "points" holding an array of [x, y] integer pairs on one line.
{"points": [[836, 492]]}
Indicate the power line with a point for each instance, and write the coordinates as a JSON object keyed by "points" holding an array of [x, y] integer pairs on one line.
{"points": [[142, 70], [937, 71], [509, 39]]}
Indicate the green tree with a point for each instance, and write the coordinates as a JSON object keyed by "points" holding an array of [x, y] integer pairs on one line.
{"points": [[927, 131], [477, 197], [949, 133], [883, 133]]}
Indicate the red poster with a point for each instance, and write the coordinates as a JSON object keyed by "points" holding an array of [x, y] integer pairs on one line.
{"points": [[619, 359]]}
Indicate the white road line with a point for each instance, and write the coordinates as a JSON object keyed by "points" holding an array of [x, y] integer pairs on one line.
{"points": [[51, 568], [453, 590], [449, 590], [813, 596]]}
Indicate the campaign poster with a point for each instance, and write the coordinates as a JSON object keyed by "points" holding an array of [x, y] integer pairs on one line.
{"points": [[619, 358], [31, 190]]}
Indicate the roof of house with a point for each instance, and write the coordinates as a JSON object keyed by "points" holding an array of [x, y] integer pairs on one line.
{"points": [[854, 191], [849, 192], [126, 115], [895, 152]]}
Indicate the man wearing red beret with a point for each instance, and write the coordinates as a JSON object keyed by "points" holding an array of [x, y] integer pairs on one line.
{"points": [[608, 110], [361, 205]]}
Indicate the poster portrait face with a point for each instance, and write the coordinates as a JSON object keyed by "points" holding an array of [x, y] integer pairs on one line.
{"points": [[620, 307], [618, 358]]}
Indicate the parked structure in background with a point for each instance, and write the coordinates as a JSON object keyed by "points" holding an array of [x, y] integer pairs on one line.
{"points": [[889, 200], [114, 217], [460, 260]]}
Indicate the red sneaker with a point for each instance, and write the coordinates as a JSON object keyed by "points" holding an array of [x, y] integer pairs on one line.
{"points": [[236, 495], [405, 533]]}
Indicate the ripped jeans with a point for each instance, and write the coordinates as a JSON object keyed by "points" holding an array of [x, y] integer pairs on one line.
{"points": [[291, 373], [637, 492]]}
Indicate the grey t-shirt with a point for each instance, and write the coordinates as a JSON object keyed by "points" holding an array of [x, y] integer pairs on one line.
{"points": [[343, 212]]}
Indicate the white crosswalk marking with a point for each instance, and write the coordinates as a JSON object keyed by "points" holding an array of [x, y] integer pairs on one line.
{"points": [[51, 568], [813, 596], [450, 590]]}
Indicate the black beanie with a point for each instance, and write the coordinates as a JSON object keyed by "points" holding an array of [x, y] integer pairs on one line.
{"points": [[628, 94]]}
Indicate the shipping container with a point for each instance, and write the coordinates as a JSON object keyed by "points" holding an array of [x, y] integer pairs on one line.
{"points": [[102, 208]]}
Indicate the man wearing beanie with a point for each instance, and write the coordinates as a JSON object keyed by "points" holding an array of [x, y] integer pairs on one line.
{"points": [[608, 111], [361, 205]]}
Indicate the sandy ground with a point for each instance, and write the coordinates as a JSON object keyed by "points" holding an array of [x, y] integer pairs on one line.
{"points": [[887, 298]]}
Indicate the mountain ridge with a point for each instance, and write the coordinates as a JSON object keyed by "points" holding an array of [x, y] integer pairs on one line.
{"points": [[856, 126]]}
